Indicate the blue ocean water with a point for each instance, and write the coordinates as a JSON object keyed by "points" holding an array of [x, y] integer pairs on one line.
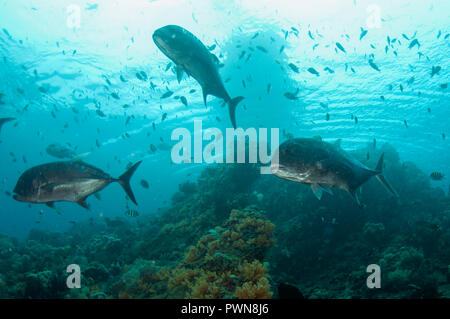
{"points": [[62, 60]]}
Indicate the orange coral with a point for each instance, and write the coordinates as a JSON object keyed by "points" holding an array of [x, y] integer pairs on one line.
{"points": [[192, 255], [213, 268], [223, 264], [206, 286], [256, 285], [252, 271], [258, 290]]}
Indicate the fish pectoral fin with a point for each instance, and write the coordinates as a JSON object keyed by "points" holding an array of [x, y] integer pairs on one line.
{"points": [[232, 104], [326, 189], [355, 195], [317, 190], [180, 72], [82, 203], [205, 94]]}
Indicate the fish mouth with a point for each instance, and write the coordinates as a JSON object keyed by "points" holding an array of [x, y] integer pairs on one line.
{"points": [[274, 168], [158, 37], [17, 198], [163, 39], [160, 41]]}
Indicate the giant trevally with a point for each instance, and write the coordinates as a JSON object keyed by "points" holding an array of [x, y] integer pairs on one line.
{"points": [[71, 181], [4, 120], [323, 165], [191, 56]]}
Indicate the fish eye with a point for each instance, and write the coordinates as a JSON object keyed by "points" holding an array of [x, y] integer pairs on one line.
{"points": [[173, 36]]}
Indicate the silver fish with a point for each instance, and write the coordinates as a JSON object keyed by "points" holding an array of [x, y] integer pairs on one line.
{"points": [[323, 165], [191, 56], [71, 181]]}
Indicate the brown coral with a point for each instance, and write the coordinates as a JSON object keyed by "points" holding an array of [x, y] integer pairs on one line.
{"points": [[223, 263], [258, 290], [252, 271]]}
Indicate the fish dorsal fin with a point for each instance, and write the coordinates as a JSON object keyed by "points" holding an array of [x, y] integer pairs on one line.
{"points": [[180, 72], [317, 137], [82, 203], [338, 143], [215, 59], [317, 190]]}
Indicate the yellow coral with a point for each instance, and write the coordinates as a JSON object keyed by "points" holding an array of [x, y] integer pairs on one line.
{"points": [[191, 255], [206, 286], [226, 234], [214, 267], [235, 236], [250, 290], [252, 271], [239, 244]]}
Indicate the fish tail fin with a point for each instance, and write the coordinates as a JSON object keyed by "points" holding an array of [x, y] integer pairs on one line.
{"points": [[232, 104], [124, 181], [379, 175]]}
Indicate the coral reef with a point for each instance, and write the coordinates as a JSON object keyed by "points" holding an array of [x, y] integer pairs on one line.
{"points": [[198, 249], [225, 263], [341, 240], [218, 190]]}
